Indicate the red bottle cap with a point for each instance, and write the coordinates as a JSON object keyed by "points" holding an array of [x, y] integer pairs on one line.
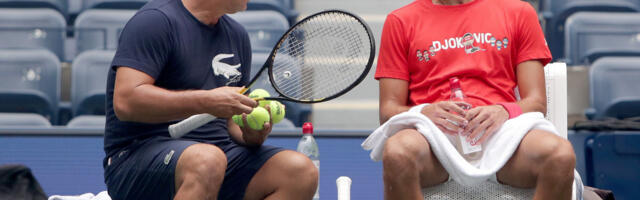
{"points": [[454, 82], [307, 128]]}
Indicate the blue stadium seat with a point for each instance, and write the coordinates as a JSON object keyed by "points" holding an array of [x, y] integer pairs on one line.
{"points": [[100, 29], [88, 121], [591, 35], [282, 6], [23, 120], [29, 82], [264, 27], [298, 113], [59, 5], [614, 88], [556, 12], [89, 82], [614, 164], [32, 28], [113, 4]]}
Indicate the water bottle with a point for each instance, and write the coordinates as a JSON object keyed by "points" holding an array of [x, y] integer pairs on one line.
{"points": [[470, 152], [309, 148]]}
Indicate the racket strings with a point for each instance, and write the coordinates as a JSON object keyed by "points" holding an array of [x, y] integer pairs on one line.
{"points": [[321, 57]]}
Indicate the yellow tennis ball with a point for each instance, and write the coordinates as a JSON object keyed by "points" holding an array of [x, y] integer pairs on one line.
{"points": [[277, 111], [257, 118], [260, 93], [238, 120]]}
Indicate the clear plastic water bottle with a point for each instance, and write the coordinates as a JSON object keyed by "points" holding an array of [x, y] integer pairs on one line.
{"points": [[309, 148], [470, 152]]}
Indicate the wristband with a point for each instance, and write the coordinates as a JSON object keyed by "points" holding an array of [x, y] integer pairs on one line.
{"points": [[513, 109]]}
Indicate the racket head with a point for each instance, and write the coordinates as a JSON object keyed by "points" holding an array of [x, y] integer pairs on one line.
{"points": [[323, 38]]}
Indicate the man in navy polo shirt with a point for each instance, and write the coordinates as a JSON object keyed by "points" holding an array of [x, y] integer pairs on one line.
{"points": [[177, 58]]}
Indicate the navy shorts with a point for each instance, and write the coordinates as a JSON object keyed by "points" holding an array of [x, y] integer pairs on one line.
{"points": [[146, 169]]}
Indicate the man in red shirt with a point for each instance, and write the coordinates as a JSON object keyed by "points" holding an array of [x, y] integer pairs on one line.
{"points": [[492, 46]]}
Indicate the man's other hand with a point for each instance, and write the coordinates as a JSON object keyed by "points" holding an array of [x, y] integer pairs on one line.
{"points": [[483, 122], [447, 115]]}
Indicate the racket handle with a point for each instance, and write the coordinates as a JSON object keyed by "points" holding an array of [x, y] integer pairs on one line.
{"points": [[344, 188], [181, 128]]}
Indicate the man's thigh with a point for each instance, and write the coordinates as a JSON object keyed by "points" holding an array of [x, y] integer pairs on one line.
{"points": [[525, 164], [242, 165], [145, 169]]}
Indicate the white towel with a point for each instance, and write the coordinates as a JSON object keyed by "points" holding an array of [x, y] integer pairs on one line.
{"points": [[86, 196], [495, 152]]}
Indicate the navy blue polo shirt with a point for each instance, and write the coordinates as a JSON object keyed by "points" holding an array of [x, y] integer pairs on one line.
{"points": [[169, 44]]}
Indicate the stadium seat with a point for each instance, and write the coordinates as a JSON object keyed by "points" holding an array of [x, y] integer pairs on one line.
{"points": [[23, 120], [264, 27], [29, 82], [100, 29], [591, 35], [615, 157], [33, 28], [556, 12], [59, 5], [298, 113], [89, 82], [88, 121], [614, 88], [556, 81], [281, 6], [113, 4]]}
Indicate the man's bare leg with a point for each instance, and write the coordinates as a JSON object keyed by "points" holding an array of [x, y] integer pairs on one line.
{"points": [[409, 165], [544, 161], [199, 172], [286, 175]]}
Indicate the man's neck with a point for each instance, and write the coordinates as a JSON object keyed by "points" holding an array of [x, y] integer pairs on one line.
{"points": [[204, 11], [450, 2]]}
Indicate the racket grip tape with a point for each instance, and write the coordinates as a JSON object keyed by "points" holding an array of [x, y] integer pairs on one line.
{"points": [[183, 127], [344, 188]]}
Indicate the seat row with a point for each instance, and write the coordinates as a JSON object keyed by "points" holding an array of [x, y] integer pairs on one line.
{"points": [[580, 38], [30, 82], [71, 8], [44, 28]]}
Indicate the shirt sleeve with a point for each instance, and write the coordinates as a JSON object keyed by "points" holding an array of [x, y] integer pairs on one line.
{"points": [[145, 43], [392, 59], [531, 44]]}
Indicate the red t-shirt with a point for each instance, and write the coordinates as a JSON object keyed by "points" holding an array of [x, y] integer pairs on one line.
{"points": [[480, 42]]}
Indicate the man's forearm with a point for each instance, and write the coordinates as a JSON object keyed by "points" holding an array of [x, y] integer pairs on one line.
{"points": [[151, 104], [388, 111]]}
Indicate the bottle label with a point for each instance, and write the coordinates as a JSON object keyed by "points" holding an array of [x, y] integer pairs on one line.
{"points": [[467, 148]]}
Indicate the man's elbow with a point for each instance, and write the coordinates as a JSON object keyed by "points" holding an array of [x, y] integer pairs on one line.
{"points": [[123, 111]]}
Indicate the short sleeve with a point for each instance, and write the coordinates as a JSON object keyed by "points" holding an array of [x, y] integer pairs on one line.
{"points": [[531, 44], [392, 59], [145, 43]]}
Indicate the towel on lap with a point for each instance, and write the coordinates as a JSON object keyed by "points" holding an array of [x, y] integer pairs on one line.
{"points": [[87, 196], [495, 152]]}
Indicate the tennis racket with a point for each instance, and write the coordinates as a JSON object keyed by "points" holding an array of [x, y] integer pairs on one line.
{"points": [[318, 59]]}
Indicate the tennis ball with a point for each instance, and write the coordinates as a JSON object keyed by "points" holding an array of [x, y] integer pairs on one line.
{"points": [[277, 111], [260, 93], [238, 120], [257, 118]]}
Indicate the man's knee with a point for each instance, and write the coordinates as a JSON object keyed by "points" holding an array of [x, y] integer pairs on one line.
{"points": [[204, 162], [564, 156], [301, 168], [402, 151], [556, 153]]}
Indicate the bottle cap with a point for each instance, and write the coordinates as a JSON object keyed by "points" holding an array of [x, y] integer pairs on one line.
{"points": [[454, 82], [307, 128]]}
